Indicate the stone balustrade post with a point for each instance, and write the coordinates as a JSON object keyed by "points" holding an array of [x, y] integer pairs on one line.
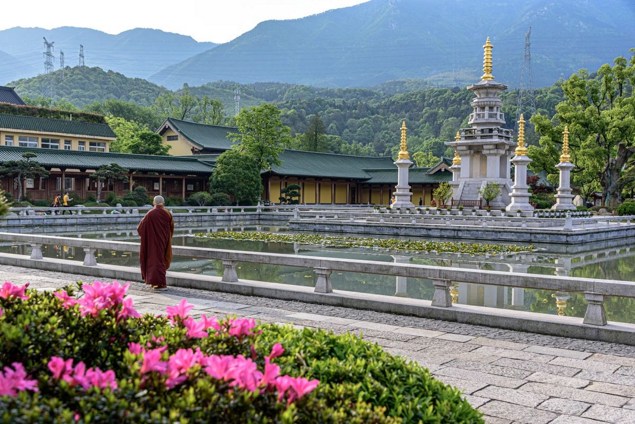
{"points": [[36, 251], [441, 296], [229, 272], [89, 257], [595, 313], [323, 280]]}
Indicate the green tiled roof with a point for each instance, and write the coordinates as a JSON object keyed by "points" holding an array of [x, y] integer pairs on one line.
{"points": [[311, 164], [8, 95], [415, 176], [93, 160], [55, 126], [211, 137]]}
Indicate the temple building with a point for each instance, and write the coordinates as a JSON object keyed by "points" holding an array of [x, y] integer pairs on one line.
{"points": [[485, 148]]}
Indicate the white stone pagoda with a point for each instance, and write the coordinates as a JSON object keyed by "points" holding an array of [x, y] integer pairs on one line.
{"points": [[485, 148]]}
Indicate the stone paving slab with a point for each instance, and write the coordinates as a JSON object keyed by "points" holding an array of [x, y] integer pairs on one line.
{"points": [[615, 389], [610, 414], [582, 395], [517, 413], [537, 366], [585, 364], [558, 352], [556, 380], [518, 397], [565, 406], [568, 419]]}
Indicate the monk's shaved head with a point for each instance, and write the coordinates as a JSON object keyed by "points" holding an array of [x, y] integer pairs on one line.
{"points": [[158, 200]]}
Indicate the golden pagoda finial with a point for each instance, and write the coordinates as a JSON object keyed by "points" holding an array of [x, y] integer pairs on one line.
{"points": [[521, 150], [565, 157], [487, 61], [457, 159], [403, 150], [457, 137]]}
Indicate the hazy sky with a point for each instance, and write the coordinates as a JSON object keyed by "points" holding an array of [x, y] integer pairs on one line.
{"points": [[204, 20]]}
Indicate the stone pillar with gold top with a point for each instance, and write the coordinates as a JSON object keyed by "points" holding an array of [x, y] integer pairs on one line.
{"points": [[403, 195], [564, 198], [520, 190]]}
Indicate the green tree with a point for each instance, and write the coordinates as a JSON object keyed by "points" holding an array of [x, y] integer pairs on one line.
{"points": [[314, 138], [209, 111], [425, 159], [261, 134], [599, 110], [22, 169], [442, 193], [489, 192], [236, 174], [129, 111], [290, 195], [107, 173], [4, 204], [148, 143]]}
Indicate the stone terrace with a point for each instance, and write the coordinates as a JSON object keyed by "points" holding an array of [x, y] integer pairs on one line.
{"points": [[512, 377]]}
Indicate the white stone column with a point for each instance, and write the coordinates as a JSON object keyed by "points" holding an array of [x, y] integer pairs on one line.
{"points": [[401, 283], [493, 163], [564, 198], [520, 190], [403, 195]]}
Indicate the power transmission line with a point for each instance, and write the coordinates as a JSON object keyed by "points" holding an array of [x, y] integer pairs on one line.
{"points": [[81, 55], [48, 56], [526, 102], [236, 101], [62, 62]]}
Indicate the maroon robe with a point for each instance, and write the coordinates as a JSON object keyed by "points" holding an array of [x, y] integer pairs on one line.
{"points": [[156, 230]]}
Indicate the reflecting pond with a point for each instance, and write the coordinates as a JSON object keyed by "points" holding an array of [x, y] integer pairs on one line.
{"points": [[616, 263]]}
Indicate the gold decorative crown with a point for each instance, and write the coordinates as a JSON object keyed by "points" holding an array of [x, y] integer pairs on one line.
{"points": [[521, 150], [403, 148], [487, 61]]}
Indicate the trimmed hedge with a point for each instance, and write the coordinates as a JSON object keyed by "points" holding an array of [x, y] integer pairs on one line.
{"points": [[85, 355]]}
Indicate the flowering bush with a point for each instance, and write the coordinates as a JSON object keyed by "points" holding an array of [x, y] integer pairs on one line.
{"points": [[84, 354]]}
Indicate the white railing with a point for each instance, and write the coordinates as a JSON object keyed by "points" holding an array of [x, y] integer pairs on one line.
{"points": [[442, 278]]}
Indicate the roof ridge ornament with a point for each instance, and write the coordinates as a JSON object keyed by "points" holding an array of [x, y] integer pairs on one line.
{"points": [[403, 148], [521, 150], [487, 61]]}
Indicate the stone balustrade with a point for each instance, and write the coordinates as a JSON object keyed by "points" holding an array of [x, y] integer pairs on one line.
{"points": [[595, 290]]}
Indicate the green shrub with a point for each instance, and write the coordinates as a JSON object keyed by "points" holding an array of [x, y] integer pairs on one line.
{"points": [[127, 202], [139, 195], [42, 203], [173, 201], [200, 198], [626, 208], [221, 199], [542, 200], [22, 204], [358, 381], [5, 204]]}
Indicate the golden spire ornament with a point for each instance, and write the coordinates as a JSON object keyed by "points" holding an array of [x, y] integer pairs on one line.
{"points": [[456, 160], [487, 61], [521, 150], [403, 148], [565, 157], [457, 137]]}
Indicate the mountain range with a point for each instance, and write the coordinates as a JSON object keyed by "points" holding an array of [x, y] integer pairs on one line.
{"points": [[439, 41]]}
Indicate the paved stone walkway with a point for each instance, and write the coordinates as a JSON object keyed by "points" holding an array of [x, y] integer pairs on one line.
{"points": [[512, 377]]}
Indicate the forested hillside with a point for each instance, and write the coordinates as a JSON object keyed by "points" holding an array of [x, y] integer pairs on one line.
{"points": [[355, 121]]}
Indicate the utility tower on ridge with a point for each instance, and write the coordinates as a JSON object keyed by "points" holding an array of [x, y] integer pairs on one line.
{"points": [[526, 102], [81, 55], [62, 62], [236, 101], [48, 56]]}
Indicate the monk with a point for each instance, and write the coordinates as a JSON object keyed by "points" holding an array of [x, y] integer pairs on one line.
{"points": [[155, 255]]}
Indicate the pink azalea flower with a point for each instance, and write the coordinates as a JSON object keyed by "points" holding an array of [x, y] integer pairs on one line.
{"points": [[301, 386], [15, 380], [217, 365], [282, 385], [9, 290], [242, 327], [152, 361], [276, 350], [135, 348], [100, 379], [59, 367], [128, 310], [181, 310], [195, 330], [210, 322], [67, 301], [272, 371]]}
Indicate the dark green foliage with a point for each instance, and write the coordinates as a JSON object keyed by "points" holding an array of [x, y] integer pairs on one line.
{"points": [[21, 169], [359, 382], [290, 195], [237, 175], [220, 199], [626, 208], [4, 204], [542, 200], [201, 198], [139, 195], [39, 112]]}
